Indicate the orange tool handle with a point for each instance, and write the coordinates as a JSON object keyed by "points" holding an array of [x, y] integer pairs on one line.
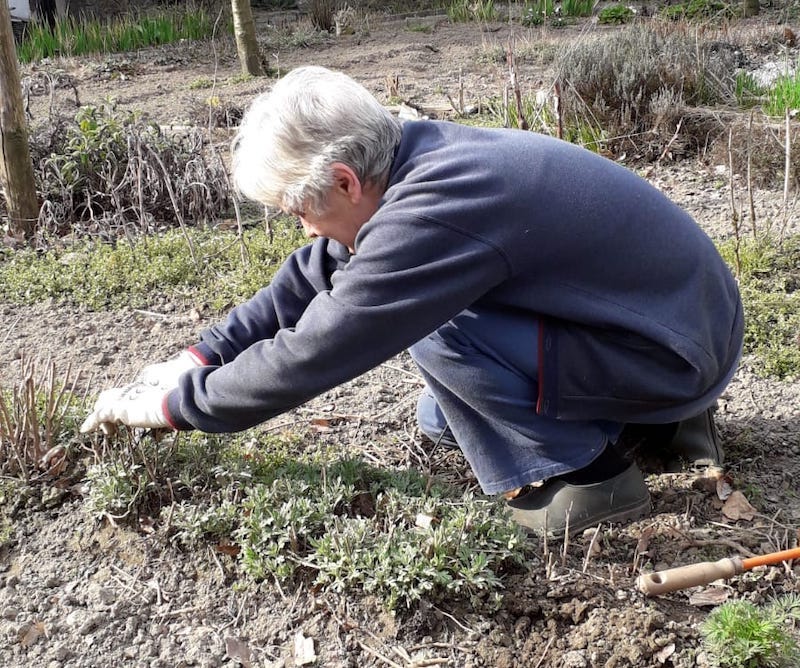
{"points": [[683, 577], [772, 558]]}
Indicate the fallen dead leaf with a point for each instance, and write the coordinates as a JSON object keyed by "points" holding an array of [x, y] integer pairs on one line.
{"points": [[708, 480], [709, 597], [321, 425], [147, 525], [724, 487], [737, 507], [238, 650], [54, 461], [228, 548]]}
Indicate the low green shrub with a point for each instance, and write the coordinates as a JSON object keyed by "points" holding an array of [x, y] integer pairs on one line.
{"points": [[147, 269], [349, 527], [699, 9], [615, 14], [365, 537], [740, 634], [769, 281]]}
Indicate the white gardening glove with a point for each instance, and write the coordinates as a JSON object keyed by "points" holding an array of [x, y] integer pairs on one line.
{"points": [[164, 375], [136, 405]]}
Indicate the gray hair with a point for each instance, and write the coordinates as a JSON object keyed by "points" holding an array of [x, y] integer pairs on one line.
{"points": [[290, 136]]}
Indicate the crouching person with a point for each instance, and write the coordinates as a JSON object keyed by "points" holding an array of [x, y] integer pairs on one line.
{"points": [[550, 298]]}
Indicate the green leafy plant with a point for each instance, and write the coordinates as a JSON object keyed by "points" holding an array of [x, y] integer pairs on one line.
{"points": [[74, 36], [201, 83], [783, 95], [536, 12], [769, 282], [115, 488], [699, 9], [212, 520], [748, 91], [615, 14], [361, 533], [462, 11], [343, 525], [740, 634], [132, 477], [577, 8]]}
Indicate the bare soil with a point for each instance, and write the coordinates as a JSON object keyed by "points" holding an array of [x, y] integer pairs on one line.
{"points": [[79, 593]]}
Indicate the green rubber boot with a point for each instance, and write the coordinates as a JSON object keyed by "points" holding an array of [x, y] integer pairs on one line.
{"points": [[548, 508], [673, 447]]}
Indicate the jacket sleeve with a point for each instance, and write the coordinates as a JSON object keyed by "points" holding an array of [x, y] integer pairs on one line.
{"points": [[407, 278], [306, 272]]}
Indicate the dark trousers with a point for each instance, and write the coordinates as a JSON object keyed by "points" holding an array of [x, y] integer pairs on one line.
{"points": [[481, 372]]}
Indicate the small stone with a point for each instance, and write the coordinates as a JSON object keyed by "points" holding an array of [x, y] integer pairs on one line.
{"points": [[75, 618], [574, 660], [63, 652], [91, 624], [9, 613]]}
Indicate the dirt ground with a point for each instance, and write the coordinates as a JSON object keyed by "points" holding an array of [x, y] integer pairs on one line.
{"points": [[78, 593]]}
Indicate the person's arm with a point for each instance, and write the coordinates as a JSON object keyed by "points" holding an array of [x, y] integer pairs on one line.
{"points": [[305, 273], [407, 278]]}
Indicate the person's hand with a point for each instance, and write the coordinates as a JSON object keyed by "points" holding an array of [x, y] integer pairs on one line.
{"points": [[164, 375], [136, 405]]}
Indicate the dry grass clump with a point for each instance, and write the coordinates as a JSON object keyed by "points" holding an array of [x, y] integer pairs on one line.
{"points": [[639, 82], [757, 151], [38, 418], [322, 13], [108, 174]]}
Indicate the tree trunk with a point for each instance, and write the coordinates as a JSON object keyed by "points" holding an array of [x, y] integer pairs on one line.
{"points": [[750, 7], [245, 30], [16, 169]]}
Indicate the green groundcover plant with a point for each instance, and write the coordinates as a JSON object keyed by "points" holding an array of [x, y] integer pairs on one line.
{"points": [[339, 524], [740, 634]]}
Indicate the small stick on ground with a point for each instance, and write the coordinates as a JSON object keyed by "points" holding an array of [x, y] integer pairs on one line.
{"points": [[590, 549], [544, 653]]}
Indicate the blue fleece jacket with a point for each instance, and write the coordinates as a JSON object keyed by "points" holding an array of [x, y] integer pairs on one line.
{"points": [[640, 318]]}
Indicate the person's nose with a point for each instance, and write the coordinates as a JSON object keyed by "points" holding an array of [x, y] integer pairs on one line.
{"points": [[308, 229]]}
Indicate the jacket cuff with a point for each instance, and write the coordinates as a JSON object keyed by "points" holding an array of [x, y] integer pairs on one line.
{"points": [[203, 352], [171, 405]]}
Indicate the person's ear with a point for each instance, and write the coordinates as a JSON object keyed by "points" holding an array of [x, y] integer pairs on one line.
{"points": [[345, 182]]}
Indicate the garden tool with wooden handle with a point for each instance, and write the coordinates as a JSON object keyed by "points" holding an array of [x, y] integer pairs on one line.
{"points": [[673, 579]]}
